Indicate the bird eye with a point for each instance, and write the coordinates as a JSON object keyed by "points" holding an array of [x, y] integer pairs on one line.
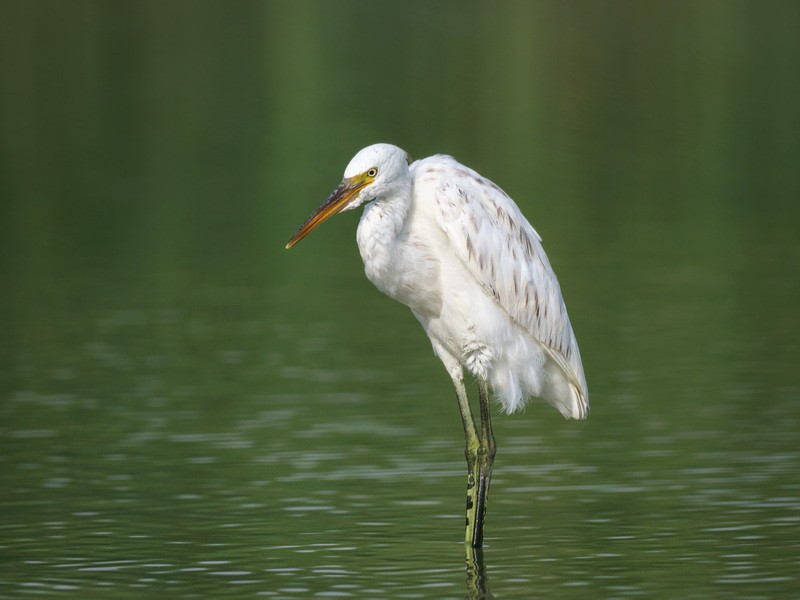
{"points": [[372, 172]]}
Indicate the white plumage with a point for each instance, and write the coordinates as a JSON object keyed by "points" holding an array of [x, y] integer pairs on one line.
{"points": [[454, 248]]}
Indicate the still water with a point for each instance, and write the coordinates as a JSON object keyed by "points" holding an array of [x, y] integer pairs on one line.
{"points": [[187, 410]]}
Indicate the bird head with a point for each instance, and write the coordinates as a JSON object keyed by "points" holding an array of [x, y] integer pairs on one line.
{"points": [[372, 173]]}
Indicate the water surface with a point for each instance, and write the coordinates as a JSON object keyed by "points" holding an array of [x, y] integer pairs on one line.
{"points": [[187, 410]]}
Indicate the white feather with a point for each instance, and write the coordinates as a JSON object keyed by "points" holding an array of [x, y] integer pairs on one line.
{"points": [[453, 247]]}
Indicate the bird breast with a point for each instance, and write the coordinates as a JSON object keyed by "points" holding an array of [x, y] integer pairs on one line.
{"points": [[398, 258]]}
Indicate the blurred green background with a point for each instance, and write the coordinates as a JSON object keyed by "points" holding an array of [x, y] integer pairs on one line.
{"points": [[187, 408]]}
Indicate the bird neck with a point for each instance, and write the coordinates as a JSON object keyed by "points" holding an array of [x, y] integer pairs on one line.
{"points": [[381, 224]]}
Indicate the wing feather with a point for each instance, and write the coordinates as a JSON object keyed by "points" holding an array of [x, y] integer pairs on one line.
{"points": [[498, 245]]}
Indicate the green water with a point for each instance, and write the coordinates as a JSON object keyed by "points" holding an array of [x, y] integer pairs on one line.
{"points": [[188, 410]]}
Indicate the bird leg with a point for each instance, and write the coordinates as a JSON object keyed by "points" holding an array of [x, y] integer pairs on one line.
{"points": [[479, 453], [486, 453], [471, 453]]}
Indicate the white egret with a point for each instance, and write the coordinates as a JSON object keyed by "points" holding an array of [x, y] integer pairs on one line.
{"points": [[455, 249]]}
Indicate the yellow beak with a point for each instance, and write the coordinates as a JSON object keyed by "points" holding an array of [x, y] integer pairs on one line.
{"points": [[335, 203]]}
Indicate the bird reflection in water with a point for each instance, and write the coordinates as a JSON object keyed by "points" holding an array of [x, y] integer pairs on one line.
{"points": [[477, 583]]}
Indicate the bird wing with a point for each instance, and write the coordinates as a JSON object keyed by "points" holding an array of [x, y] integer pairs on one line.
{"points": [[493, 239]]}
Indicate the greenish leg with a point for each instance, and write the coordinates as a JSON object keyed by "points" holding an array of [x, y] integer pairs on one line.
{"points": [[486, 453], [471, 453], [480, 453]]}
